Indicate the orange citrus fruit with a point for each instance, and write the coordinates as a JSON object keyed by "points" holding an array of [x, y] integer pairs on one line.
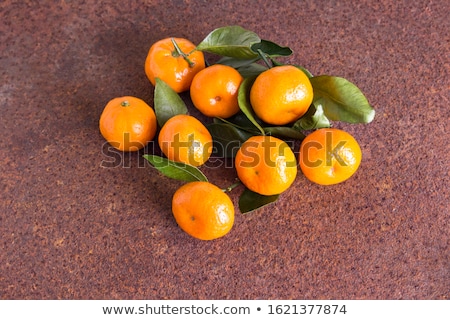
{"points": [[329, 156], [214, 91], [175, 61], [185, 139], [266, 165], [128, 123], [281, 95], [203, 210]]}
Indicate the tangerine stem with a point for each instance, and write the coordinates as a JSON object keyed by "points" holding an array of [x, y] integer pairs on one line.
{"points": [[229, 188], [179, 52], [125, 103], [264, 58]]}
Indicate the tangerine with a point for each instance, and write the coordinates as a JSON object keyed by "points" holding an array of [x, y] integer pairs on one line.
{"points": [[185, 139], [266, 165], [214, 91], [175, 61], [281, 95], [203, 210], [329, 156], [128, 123]]}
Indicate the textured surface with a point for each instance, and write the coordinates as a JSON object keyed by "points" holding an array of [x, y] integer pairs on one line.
{"points": [[78, 221]]}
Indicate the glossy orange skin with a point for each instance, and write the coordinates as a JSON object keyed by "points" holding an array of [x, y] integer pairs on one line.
{"points": [[185, 139], [214, 91], [281, 95], [266, 165], [203, 210], [329, 156], [165, 63], [128, 123]]}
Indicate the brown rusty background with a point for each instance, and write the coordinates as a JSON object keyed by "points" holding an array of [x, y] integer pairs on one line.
{"points": [[78, 221]]}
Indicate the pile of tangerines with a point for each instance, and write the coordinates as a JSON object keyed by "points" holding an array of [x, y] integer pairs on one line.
{"points": [[257, 105]]}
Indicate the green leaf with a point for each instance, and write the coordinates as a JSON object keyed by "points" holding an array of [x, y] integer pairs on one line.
{"points": [[167, 102], [231, 41], [244, 102], [251, 70], [235, 62], [175, 170], [314, 118], [250, 201], [241, 121], [285, 132], [271, 49], [227, 138], [246, 67], [341, 100]]}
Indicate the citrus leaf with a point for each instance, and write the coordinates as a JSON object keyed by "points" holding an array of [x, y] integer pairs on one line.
{"points": [[314, 118], [285, 132], [341, 100], [167, 102], [235, 62], [244, 101], [250, 201], [271, 49], [241, 121], [246, 67], [175, 170], [227, 138], [251, 70], [231, 41]]}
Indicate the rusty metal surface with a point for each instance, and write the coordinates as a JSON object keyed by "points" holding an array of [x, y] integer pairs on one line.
{"points": [[80, 222]]}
